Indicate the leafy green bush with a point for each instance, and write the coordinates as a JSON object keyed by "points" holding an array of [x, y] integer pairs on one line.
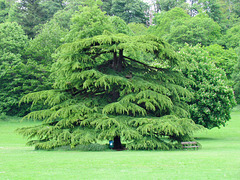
{"points": [[213, 98]]}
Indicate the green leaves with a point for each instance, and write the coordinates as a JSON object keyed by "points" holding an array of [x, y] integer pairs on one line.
{"points": [[178, 28], [18, 76], [213, 98]]}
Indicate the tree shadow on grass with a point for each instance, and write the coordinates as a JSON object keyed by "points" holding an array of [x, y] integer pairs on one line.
{"points": [[207, 139]]}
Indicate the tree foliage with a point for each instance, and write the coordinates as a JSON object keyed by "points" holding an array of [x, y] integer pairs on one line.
{"points": [[103, 91], [18, 76], [4, 10], [167, 5], [225, 59], [31, 14], [236, 78], [45, 43], [112, 79], [213, 98], [128, 10], [183, 29], [232, 37]]}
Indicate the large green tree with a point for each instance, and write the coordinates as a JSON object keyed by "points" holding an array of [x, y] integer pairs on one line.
{"points": [[185, 29], [96, 97], [232, 37], [105, 89], [163, 21], [18, 76], [213, 98]]}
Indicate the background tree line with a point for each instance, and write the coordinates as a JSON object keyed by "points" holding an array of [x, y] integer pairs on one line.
{"points": [[205, 35]]}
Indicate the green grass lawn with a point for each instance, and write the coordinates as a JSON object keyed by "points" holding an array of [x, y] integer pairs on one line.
{"points": [[219, 158]]}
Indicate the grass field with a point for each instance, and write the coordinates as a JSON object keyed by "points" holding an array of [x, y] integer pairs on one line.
{"points": [[218, 159]]}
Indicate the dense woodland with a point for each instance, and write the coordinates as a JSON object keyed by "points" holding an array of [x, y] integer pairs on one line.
{"points": [[92, 70]]}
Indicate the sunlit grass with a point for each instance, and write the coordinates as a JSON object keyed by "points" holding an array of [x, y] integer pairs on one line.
{"points": [[219, 158]]}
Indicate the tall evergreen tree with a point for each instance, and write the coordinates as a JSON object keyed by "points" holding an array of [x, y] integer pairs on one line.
{"points": [[96, 98], [105, 89]]}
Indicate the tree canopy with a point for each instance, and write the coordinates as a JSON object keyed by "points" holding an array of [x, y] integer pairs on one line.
{"points": [[18, 76], [213, 98], [113, 98], [94, 70], [178, 28], [128, 10]]}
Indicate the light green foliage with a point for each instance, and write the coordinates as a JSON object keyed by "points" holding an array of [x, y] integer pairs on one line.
{"points": [[163, 21], [119, 25], [225, 59], [89, 21], [97, 98], [232, 37], [213, 98], [63, 17], [12, 38], [199, 29], [180, 28], [138, 29]]}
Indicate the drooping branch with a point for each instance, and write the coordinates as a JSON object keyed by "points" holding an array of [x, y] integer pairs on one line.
{"points": [[98, 54], [145, 65]]}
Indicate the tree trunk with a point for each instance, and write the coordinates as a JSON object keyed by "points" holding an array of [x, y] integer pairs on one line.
{"points": [[120, 61], [115, 59], [117, 143], [117, 63]]}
